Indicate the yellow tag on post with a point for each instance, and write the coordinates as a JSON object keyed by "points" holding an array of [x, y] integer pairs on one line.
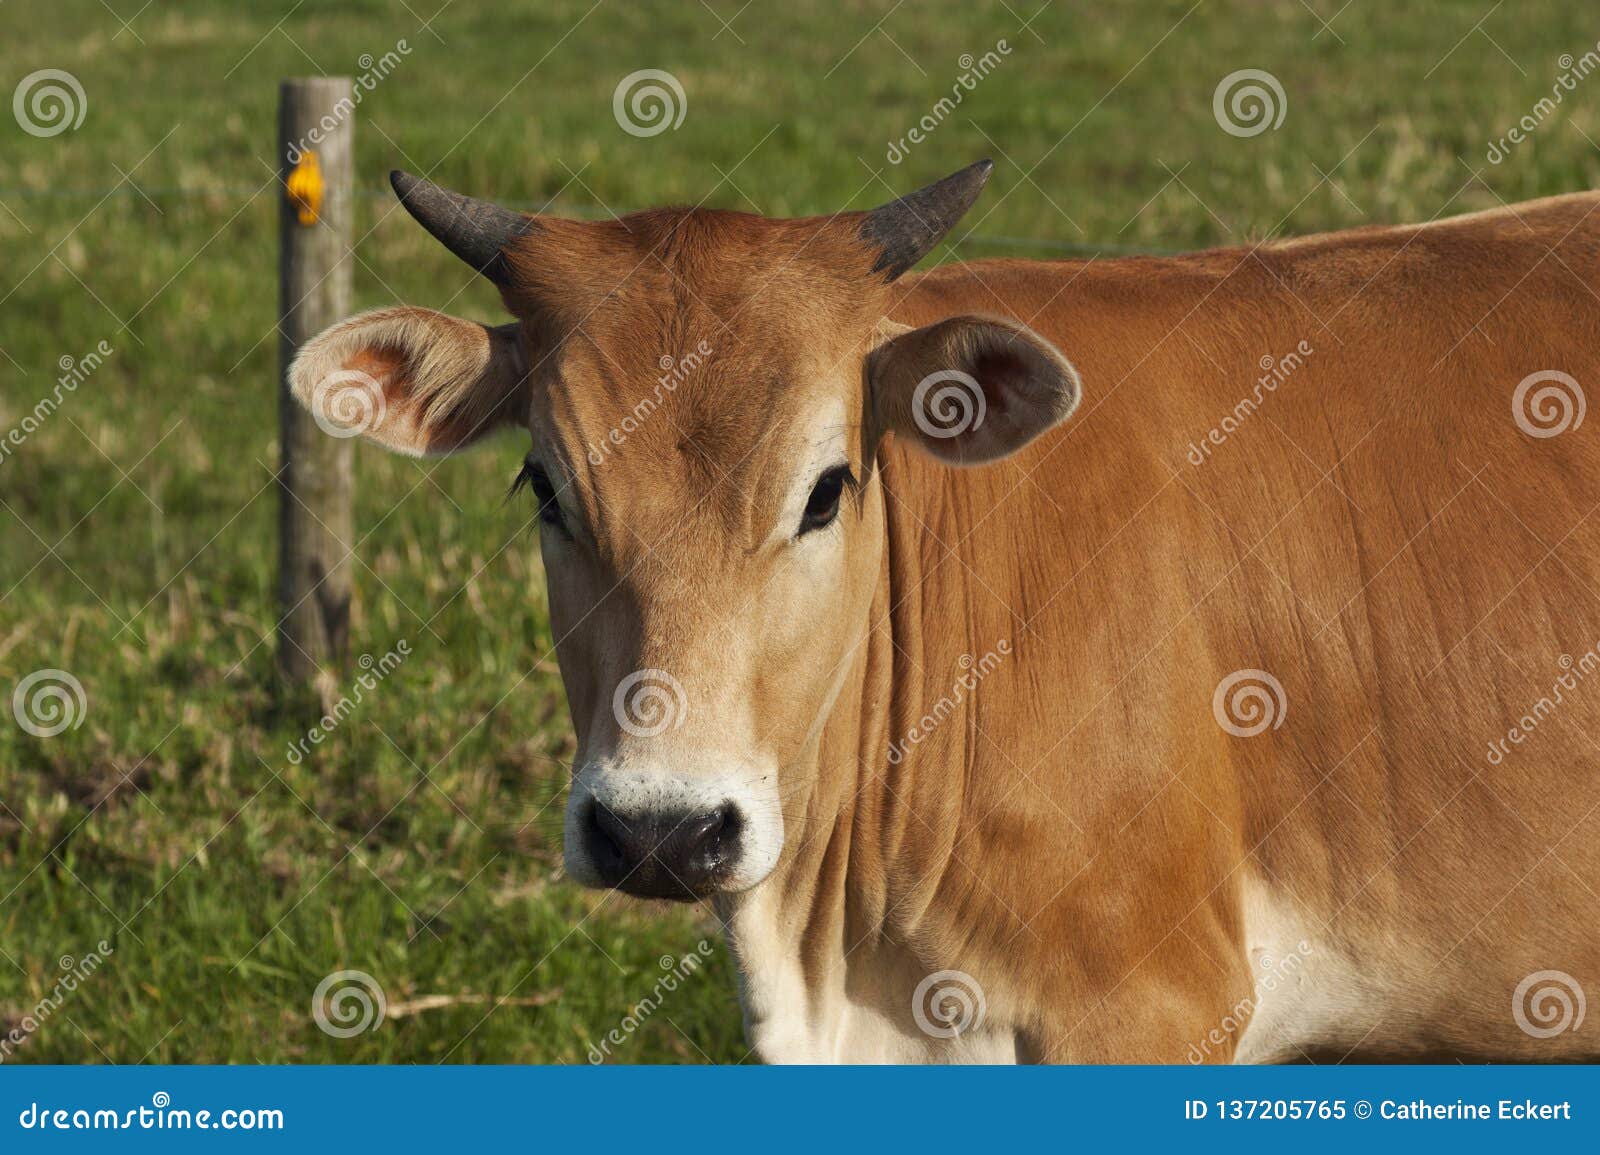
{"points": [[304, 187]]}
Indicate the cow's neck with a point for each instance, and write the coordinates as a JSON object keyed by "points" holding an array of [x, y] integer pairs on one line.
{"points": [[830, 946]]}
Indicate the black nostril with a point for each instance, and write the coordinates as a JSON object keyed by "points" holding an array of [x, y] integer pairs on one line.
{"points": [[611, 832], [710, 839], [704, 829]]}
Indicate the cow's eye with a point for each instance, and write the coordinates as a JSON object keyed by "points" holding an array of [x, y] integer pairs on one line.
{"points": [[823, 505], [534, 477]]}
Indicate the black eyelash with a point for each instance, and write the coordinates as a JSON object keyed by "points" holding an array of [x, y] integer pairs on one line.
{"points": [[533, 477], [522, 480]]}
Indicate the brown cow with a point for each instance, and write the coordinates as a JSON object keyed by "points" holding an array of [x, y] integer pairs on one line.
{"points": [[1242, 716]]}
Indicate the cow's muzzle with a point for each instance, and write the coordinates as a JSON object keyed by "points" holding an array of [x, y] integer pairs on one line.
{"points": [[683, 855]]}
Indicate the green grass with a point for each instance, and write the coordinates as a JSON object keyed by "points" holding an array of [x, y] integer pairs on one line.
{"points": [[421, 842]]}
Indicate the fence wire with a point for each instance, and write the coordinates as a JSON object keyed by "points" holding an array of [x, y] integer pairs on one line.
{"points": [[1037, 244]]}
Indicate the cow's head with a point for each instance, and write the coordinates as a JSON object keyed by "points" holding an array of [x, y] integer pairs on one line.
{"points": [[706, 394]]}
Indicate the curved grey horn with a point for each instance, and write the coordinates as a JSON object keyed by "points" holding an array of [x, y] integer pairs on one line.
{"points": [[474, 230], [905, 231]]}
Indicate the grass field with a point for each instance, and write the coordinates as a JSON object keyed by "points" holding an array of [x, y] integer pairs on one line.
{"points": [[421, 842]]}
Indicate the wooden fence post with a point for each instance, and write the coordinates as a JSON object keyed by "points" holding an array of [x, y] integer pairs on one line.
{"points": [[315, 519]]}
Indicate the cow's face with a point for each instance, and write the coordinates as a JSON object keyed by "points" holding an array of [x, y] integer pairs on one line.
{"points": [[705, 394]]}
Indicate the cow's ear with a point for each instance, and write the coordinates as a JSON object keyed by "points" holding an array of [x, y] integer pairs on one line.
{"points": [[414, 381], [969, 389]]}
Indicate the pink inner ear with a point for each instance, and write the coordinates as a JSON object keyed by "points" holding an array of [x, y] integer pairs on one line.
{"points": [[1002, 374], [391, 369], [385, 367]]}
